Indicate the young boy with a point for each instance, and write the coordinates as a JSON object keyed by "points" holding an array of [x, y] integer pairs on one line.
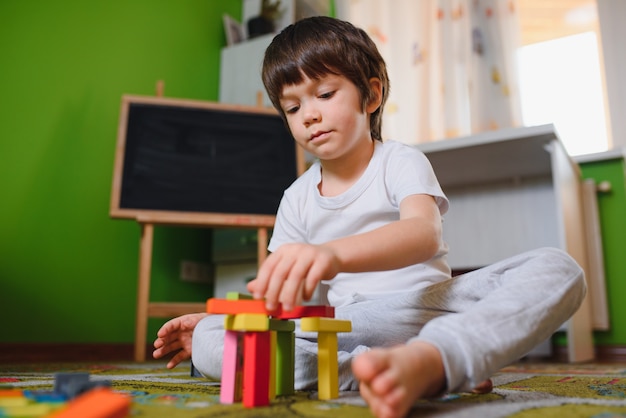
{"points": [[366, 219]]}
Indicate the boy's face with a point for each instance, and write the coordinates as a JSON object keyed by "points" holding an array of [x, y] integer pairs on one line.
{"points": [[325, 116]]}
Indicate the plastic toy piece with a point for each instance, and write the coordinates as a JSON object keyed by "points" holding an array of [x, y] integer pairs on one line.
{"points": [[27, 410], [97, 403], [232, 368], [13, 401], [256, 371], [327, 364], [70, 384], [11, 393]]}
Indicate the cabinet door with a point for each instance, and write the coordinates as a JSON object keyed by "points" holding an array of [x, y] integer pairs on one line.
{"points": [[240, 72]]}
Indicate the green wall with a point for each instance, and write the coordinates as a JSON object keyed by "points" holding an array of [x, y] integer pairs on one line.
{"points": [[612, 208], [68, 273]]}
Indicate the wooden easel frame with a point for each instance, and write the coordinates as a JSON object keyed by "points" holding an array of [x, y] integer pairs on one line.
{"points": [[148, 219]]}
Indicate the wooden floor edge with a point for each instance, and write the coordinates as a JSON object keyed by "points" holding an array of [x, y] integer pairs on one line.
{"points": [[13, 353], [603, 353]]}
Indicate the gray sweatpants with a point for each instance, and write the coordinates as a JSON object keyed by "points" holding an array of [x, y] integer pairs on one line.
{"points": [[480, 321]]}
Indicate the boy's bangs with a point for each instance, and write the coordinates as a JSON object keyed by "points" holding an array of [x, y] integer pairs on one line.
{"points": [[312, 64]]}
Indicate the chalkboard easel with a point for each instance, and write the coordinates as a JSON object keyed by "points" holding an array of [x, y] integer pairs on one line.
{"points": [[198, 164]]}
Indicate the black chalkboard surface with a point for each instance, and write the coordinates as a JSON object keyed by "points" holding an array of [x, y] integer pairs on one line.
{"points": [[193, 157]]}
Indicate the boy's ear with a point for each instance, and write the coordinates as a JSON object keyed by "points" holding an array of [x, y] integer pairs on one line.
{"points": [[376, 94]]}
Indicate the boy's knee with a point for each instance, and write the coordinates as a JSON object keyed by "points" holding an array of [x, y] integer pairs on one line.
{"points": [[207, 346], [567, 270]]}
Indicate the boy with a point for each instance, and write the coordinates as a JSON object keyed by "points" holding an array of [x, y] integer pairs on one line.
{"points": [[366, 219]]}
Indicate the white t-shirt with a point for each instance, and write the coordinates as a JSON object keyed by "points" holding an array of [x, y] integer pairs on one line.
{"points": [[395, 171]]}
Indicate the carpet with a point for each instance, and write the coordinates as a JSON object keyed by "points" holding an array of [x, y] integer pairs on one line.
{"points": [[520, 391]]}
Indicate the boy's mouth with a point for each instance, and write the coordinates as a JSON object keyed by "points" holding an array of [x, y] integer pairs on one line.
{"points": [[317, 135]]}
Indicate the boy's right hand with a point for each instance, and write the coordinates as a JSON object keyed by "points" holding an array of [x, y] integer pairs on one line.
{"points": [[175, 335], [291, 274]]}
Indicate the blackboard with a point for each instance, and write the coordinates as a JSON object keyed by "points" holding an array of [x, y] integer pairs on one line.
{"points": [[177, 157]]}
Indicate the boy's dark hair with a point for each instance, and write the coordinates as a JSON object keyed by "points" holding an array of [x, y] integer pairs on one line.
{"points": [[321, 45]]}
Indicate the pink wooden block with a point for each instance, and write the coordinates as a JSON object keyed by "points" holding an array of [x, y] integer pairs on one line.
{"points": [[232, 368]]}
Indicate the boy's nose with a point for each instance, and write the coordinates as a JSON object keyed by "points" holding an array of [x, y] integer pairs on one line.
{"points": [[311, 115]]}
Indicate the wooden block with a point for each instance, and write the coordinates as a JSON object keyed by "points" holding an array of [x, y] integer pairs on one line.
{"points": [[282, 325], [233, 307], [247, 322], [97, 403], [307, 311], [325, 325], [237, 296], [272, 376], [285, 362], [231, 388], [240, 306], [327, 366], [12, 401], [256, 372]]}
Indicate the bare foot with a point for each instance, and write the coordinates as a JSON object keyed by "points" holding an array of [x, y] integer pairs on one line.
{"points": [[392, 379]]}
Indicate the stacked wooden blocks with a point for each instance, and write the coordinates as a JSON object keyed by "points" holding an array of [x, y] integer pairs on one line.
{"points": [[259, 349]]}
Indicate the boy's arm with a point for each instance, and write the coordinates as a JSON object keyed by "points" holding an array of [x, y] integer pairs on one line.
{"points": [[293, 271], [415, 238]]}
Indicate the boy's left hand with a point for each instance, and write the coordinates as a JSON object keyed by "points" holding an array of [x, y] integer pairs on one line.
{"points": [[291, 274]]}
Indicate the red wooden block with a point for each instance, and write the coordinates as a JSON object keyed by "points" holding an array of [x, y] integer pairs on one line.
{"points": [[308, 311], [256, 369]]}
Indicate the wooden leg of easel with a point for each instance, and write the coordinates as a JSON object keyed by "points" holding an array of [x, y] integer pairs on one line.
{"points": [[262, 245], [143, 290]]}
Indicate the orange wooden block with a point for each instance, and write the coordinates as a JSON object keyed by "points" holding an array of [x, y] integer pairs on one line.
{"points": [[233, 307], [257, 306], [97, 403]]}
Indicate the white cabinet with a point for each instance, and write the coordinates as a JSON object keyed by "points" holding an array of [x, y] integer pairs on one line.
{"points": [[240, 72], [511, 191]]}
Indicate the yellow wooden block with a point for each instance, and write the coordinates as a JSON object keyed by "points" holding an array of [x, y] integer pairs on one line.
{"points": [[327, 366], [247, 322], [315, 324]]}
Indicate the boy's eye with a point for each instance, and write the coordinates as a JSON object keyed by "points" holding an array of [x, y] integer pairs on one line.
{"points": [[292, 109], [327, 95]]}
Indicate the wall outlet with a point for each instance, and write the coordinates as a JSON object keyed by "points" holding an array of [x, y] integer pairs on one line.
{"points": [[195, 272]]}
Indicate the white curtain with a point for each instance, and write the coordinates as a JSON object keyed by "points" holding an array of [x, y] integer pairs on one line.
{"points": [[452, 64]]}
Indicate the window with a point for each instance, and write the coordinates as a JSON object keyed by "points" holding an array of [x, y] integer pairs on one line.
{"points": [[560, 74]]}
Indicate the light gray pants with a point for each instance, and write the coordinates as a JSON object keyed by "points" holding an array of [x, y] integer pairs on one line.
{"points": [[480, 321]]}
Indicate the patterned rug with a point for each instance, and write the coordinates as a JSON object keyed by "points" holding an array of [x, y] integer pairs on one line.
{"points": [[523, 390]]}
